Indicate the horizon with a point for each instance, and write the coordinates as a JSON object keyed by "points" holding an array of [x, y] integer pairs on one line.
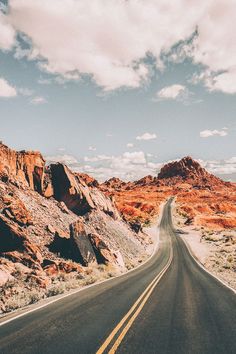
{"points": [[75, 169]]}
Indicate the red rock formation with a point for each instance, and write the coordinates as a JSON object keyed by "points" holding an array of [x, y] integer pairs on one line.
{"points": [[70, 190], [26, 167], [74, 192], [200, 195], [81, 248], [113, 183], [190, 171], [15, 245], [90, 181]]}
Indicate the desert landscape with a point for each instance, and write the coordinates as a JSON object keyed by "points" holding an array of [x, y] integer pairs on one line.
{"points": [[62, 230], [57, 232]]}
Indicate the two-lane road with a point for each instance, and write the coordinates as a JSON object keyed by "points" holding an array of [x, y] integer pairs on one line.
{"points": [[168, 305]]}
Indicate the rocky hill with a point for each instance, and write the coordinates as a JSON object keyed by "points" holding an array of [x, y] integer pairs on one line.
{"points": [[189, 171], [202, 199], [57, 230]]}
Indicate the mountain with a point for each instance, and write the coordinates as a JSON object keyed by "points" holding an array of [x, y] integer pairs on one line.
{"points": [[190, 171], [202, 198], [185, 168], [56, 224]]}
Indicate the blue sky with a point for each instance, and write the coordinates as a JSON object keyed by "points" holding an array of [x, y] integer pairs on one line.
{"points": [[82, 97]]}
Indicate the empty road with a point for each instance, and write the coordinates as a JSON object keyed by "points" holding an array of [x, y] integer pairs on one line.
{"points": [[168, 305]]}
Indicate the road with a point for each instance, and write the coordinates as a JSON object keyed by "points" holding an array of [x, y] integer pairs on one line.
{"points": [[168, 305]]}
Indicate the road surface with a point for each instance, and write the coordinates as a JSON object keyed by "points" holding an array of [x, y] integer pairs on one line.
{"points": [[168, 305]]}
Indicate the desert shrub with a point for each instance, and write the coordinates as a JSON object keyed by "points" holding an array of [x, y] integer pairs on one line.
{"points": [[55, 289]]}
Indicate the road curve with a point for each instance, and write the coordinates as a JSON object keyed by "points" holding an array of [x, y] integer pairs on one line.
{"points": [[168, 305]]}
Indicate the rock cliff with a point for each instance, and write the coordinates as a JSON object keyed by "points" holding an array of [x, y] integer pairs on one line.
{"points": [[54, 225]]}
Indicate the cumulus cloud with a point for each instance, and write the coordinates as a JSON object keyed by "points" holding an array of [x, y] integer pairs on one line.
{"points": [[97, 158], [146, 136], [69, 160], [130, 145], [109, 39], [173, 92], [110, 50], [92, 148], [135, 165], [6, 90], [7, 33], [226, 169], [38, 100], [208, 133]]}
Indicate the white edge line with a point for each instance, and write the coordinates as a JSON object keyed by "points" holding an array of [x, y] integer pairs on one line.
{"points": [[95, 284], [204, 268]]}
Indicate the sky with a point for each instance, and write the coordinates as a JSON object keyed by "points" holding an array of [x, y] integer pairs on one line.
{"points": [[117, 88]]}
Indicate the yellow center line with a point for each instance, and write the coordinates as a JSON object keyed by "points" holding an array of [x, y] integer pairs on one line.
{"points": [[146, 294]]}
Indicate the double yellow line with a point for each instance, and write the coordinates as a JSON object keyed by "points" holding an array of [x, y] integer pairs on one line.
{"points": [[134, 311]]}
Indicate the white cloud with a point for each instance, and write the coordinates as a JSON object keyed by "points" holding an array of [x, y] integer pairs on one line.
{"points": [[146, 136], [136, 157], [97, 158], [66, 159], [128, 166], [43, 81], [207, 133], [92, 148], [6, 90], [173, 92], [38, 100], [222, 167], [130, 145], [116, 37], [7, 33]]}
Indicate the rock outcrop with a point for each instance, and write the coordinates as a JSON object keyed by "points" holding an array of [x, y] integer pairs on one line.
{"points": [[24, 167], [190, 171], [54, 223], [198, 193], [69, 188], [114, 183]]}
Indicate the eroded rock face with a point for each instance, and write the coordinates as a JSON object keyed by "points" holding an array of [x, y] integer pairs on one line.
{"points": [[77, 196], [14, 209], [104, 253], [26, 167], [14, 244], [88, 180], [81, 246], [76, 246], [68, 189]]}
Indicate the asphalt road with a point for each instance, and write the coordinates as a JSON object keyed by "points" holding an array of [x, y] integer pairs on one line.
{"points": [[168, 305]]}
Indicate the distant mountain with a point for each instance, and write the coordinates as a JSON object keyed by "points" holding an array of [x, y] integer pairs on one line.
{"points": [[203, 198], [190, 171]]}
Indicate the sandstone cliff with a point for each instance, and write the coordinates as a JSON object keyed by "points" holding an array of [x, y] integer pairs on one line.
{"points": [[23, 167], [56, 230]]}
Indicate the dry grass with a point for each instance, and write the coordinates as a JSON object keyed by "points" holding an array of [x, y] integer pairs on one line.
{"points": [[20, 293]]}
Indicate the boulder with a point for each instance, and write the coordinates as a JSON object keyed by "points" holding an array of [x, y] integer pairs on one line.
{"points": [[74, 193], [81, 246], [15, 245], [104, 253], [68, 189], [16, 210]]}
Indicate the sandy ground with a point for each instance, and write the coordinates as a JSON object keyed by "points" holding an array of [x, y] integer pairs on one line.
{"points": [[216, 250]]}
